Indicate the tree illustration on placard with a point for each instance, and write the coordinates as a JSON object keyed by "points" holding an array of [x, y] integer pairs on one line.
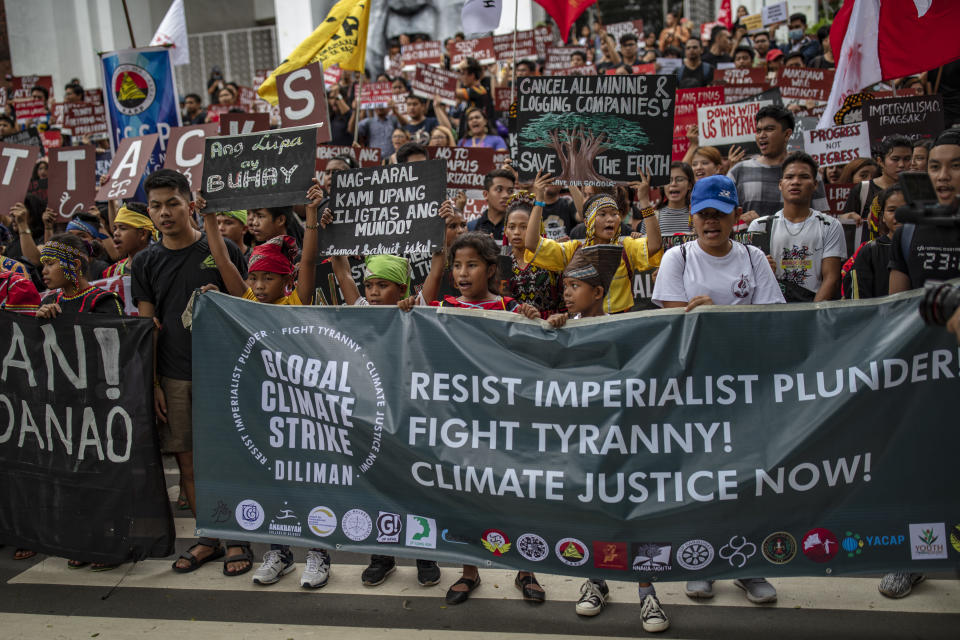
{"points": [[578, 138]]}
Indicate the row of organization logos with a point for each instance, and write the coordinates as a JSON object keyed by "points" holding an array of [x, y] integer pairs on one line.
{"points": [[926, 541]]}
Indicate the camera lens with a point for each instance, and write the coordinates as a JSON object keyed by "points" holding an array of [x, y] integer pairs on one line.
{"points": [[940, 301]]}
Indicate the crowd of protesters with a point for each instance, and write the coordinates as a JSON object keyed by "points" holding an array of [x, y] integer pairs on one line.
{"points": [[600, 237]]}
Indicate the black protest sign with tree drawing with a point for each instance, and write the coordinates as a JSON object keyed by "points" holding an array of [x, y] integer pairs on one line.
{"points": [[578, 138]]}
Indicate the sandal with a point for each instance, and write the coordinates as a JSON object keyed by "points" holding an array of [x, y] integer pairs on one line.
{"points": [[23, 554], [245, 555], [457, 597], [182, 504], [76, 564], [195, 562], [100, 566], [525, 584]]}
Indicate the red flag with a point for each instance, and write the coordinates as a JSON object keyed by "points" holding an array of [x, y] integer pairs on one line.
{"points": [[725, 17], [565, 12], [874, 40]]}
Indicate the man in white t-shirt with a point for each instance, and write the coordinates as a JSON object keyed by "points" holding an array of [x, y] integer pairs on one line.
{"points": [[714, 269], [806, 246]]}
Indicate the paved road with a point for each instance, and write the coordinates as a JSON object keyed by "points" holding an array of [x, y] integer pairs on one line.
{"points": [[41, 598]]}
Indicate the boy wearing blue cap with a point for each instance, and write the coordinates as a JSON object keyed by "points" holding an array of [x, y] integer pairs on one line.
{"points": [[714, 269]]}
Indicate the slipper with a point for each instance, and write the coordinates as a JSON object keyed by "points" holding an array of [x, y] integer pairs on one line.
{"points": [[23, 554], [76, 564], [196, 563], [182, 504], [246, 554], [457, 597], [525, 584], [99, 566]]}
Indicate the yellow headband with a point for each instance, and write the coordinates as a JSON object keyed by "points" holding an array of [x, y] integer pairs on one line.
{"points": [[135, 220]]}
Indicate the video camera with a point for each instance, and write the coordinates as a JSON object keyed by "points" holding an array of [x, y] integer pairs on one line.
{"points": [[922, 207]]}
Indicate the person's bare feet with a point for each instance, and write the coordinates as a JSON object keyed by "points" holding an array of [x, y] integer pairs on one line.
{"points": [[23, 554], [240, 566]]}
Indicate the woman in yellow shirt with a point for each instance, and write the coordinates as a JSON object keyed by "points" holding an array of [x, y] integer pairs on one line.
{"points": [[602, 218]]}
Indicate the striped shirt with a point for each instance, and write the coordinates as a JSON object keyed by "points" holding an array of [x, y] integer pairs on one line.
{"points": [[758, 187]]}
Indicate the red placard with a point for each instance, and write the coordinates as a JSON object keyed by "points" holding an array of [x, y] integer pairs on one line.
{"points": [[502, 99], [526, 46], [126, 170], [688, 101], [303, 99], [51, 139], [429, 82], [215, 111], [480, 49], [234, 124], [837, 195], [617, 29], [801, 83], [94, 96], [376, 95], [739, 92], [332, 75], [740, 76], [20, 86], [558, 60], [365, 156], [466, 166], [184, 151], [16, 166], [85, 118], [425, 52], [29, 110], [73, 180], [680, 148]]}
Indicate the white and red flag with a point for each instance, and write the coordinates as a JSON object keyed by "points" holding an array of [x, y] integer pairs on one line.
{"points": [[874, 40]]}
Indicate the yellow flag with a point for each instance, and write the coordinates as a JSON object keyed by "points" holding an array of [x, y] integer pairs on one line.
{"points": [[340, 39]]}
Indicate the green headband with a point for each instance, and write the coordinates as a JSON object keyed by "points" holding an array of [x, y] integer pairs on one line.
{"points": [[239, 214], [387, 267]]}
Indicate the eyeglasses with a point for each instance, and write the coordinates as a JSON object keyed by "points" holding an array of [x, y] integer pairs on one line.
{"points": [[678, 179]]}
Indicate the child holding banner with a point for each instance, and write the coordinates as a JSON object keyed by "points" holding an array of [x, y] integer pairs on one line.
{"points": [[586, 280], [271, 276], [522, 280], [602, 220]]}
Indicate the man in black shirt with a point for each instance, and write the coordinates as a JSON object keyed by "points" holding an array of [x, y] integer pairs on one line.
{"points": [[694, 72], [163, 277], [933, 252], [719, 50]]}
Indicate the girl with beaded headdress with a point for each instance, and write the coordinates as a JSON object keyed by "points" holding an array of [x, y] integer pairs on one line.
{"points": [[519, 278], [64, 259]]}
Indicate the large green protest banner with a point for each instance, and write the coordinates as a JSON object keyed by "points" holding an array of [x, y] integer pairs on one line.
{"points": [[785, 440]]}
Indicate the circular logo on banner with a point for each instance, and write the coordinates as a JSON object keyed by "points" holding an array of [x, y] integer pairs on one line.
{"points": [[532, 547], [495, 541], [313, 421], [955, 538], [695, 554], [133, 89], [572, 552], [249, 515], [779, 547], [820, 545], [356, 525], [322, 521]]}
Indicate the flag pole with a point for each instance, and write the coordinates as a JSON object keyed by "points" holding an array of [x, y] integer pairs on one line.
{"points": [[356, 124], [126, 14], [513, 60]]}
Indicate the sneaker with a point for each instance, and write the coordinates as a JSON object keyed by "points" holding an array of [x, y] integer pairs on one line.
{"points": [[317, 571], [275, 565], [700, 589], [899, 584], [593, 597], [757, 590], [653, 617], [428, 573], [380, 567]]}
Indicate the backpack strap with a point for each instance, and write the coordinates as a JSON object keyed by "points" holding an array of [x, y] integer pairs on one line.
{"points": [[906, 238]]}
